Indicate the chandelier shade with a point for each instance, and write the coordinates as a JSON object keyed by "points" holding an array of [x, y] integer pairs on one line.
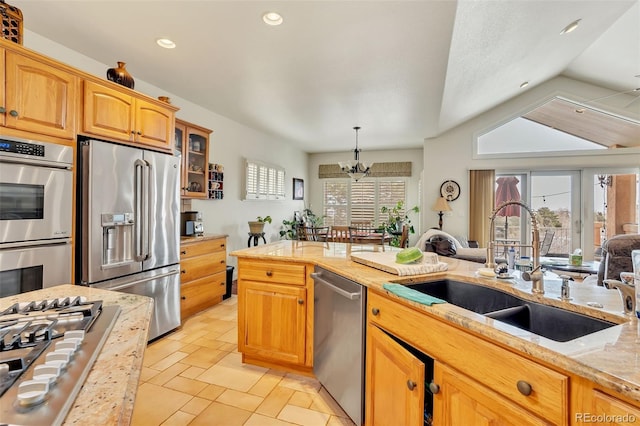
{"points": [[355, 168]]}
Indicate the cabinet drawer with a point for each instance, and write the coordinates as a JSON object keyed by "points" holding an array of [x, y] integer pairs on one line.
{"points": [[275, 272], [202, 247], [200, 266], [497, 368], [201, 293]]}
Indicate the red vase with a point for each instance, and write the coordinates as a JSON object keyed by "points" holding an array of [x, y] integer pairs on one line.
{"points": [[120, 75]]}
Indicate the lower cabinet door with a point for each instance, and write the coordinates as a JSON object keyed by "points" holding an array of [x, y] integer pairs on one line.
{"points": [[463, 401], [272, 321], [394, 383]]}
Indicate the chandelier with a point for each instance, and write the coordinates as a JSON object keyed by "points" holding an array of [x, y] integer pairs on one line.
{"points": [[354, 168]]}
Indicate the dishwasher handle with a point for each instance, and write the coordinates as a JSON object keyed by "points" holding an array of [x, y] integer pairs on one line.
{"points": [[351, 296]]}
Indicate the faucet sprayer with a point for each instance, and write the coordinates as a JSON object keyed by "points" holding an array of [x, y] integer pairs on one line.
{"points": [[536, 276]]}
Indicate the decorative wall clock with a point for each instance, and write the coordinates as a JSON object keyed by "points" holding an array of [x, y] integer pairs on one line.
{"points": [[450, 190]]}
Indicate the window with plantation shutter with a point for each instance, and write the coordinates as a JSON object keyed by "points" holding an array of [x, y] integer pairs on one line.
{"points": [[347, 201], [263, 181]]}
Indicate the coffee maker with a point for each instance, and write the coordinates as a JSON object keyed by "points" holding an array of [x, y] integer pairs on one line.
{"points": [[191, 224]]}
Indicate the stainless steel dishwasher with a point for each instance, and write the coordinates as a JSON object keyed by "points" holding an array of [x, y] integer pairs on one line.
{"points": [[339, 339]]}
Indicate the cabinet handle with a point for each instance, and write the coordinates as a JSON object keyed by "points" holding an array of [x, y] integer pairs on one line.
{"points": [[524, 387], [221, 245], [133, 132], [183, 271], [183, 252], [375, 311], [223, 283], [434, 388], [13, 113], [269, 273], [222, 261], [411, 384], [300, 301], [3, 110], [139, 132], [183, 297]]}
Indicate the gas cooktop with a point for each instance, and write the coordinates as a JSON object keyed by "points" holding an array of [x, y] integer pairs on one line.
{"points": [[47, 349]]}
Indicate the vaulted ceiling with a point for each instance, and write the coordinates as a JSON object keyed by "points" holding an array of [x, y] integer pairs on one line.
{"points": [[402, 70]]}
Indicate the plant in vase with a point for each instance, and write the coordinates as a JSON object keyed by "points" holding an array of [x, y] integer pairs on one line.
{"points": [[257, 226], [397, 217]]}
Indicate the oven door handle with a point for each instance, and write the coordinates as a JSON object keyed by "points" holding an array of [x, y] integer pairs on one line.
{"points": [[340, 291]]}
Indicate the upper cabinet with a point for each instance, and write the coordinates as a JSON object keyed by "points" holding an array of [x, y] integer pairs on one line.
{"points": [[193, 142], [36, 97], [120, 114]]}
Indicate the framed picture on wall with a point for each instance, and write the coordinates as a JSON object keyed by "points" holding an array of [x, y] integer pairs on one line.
{"points": [[298, 189]]}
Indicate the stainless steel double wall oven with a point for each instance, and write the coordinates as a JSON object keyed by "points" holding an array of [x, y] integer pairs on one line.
{"points": [[36, 189]]}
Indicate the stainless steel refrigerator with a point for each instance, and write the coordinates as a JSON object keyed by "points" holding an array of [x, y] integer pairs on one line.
{"points": [[129, 222]]}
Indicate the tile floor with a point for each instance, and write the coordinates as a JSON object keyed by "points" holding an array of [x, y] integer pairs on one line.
{"points": [[195, 376]]}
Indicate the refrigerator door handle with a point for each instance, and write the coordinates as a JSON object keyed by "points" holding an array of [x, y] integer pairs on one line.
{"points": [[139, 254], [146, 214], [143, 280]]}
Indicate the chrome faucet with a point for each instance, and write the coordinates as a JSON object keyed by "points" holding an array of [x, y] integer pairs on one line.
{"points": [[536, 276], [627, 292]]}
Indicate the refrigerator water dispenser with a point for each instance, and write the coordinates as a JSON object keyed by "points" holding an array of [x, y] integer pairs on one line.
{"points": [[117, 238]]}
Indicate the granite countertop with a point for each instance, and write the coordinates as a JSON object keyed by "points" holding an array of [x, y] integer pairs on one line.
{"points": [[608, 357], [194, 239], [108, 393]]}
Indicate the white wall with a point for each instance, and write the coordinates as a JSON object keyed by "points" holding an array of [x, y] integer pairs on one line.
{"points": [[451, 155], [415, 156], [231, 142]]}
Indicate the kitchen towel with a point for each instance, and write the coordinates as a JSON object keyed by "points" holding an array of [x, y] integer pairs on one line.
{"points": [[411, 294], [386, 261]]}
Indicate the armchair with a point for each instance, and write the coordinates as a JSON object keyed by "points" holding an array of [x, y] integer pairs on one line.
{"points": [[616, 256]]}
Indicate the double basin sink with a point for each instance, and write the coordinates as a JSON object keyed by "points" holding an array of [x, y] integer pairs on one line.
{"points": [[546, 321]]}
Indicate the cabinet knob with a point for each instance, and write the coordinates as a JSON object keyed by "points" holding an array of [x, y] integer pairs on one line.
{"points": [[183, 297], [434, 388], [183, 252], [139, 132], [133, 132], [222, 261], [3, 110], [411, 384], [223, 283], [13, 113], [300, 301], [183, 271], [269, 273], [524, 388], [375, 311]]}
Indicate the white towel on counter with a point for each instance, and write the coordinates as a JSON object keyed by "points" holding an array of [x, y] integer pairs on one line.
{"points": [[386, 261]]}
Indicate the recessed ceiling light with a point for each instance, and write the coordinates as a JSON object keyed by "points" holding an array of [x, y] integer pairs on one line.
{"points": [[572, 26], [166, 43], [272, 18], [524, 84]]}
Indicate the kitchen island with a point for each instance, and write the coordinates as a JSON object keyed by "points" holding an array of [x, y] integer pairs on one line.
{"points": [[108, 394], [604, 363]]}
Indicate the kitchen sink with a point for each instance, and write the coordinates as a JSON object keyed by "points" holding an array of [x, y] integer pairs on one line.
{"points": [[551, 322]]}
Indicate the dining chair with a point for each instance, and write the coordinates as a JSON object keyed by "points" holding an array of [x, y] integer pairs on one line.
{"points": [[404, 238], [364, 235], [361, 224], [312, 233], [339, 234]]}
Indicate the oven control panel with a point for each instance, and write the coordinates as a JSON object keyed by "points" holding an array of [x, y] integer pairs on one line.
{"points": [[24, 148]]}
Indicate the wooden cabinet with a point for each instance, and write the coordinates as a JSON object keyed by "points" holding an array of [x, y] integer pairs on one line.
{"points": [[395, 382], [193, 142], [275, 321], [203, 267], [502, 376], [121, 114], [461, 400], [618, 412], [37, 97]]}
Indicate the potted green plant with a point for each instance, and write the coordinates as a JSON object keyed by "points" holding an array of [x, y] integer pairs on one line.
{"points": [[397, 217], [257, 226]]}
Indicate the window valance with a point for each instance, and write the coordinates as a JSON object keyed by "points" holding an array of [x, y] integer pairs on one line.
{"points": [[390, 169]]}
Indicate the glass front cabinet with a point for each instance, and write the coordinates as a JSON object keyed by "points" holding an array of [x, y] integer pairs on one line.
{"points": [[192, 141]]}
